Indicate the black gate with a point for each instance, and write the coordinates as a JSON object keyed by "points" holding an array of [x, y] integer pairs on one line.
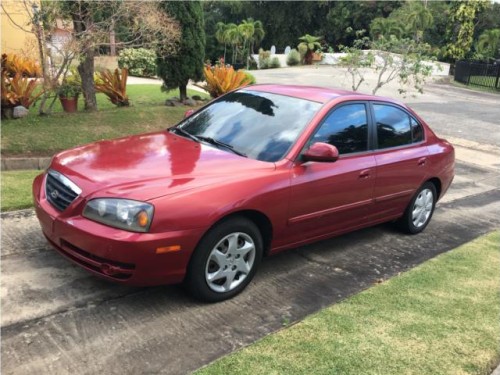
{"points": [[478, 74]]}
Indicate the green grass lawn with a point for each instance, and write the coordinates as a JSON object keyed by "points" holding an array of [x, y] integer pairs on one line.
{"points": [[441, 317], [16, 189], [43, 136]]}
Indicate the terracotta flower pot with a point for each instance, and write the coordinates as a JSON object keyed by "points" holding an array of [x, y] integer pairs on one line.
{"points": [[69, 105]]}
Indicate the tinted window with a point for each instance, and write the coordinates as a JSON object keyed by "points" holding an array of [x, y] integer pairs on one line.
{"points": [[416, 130], [346, 128], [393, 126], [261, 125]]}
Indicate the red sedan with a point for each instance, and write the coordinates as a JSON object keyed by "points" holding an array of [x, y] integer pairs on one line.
{"points": [[257, 171]]}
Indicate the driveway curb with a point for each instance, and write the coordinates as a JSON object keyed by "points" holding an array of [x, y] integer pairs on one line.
{"points": [[15, 164]]}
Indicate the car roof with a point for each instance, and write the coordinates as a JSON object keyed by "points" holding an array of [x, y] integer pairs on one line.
{"points": [[317, 94], [314, 93]]}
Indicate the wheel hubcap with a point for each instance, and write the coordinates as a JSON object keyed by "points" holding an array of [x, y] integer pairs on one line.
{"points": [[422, 208], [230, 262]]}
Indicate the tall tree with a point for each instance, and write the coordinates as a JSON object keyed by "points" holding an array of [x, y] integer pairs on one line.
{"points": [[418, 20], [461, 27], [221, 35], [488, 43], [385, 27], [177, 70], [93, 22]]}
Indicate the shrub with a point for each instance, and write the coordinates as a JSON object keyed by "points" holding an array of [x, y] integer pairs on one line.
{"points": [[18, 90], [264, 59], [274, 63], [264, 63], [13, 64], [250, 77], [114, 86], [293, 58], [222, 79], [139, 61]]}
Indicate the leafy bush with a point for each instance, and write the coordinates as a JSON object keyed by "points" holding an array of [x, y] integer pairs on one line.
{"points": [[222, 79], [71, 85], [264, 63], [293, 58], [114, 86], [250, 77], [13, 64], [139, 61], [264, 59], [274, 63], [18, 90]]}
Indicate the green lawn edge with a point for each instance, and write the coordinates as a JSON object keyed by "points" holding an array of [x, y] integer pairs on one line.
{"points": [[16, 189], [36, 135], [441, 317]]}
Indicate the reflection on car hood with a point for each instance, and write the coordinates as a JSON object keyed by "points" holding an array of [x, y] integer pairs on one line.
{"points": [[148, 166]]}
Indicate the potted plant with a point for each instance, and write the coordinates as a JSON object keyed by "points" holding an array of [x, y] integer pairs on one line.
{"points": [[308, 44], [317, 55], [68, 92]]}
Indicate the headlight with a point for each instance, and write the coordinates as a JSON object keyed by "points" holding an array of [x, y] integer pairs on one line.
{"points": [[120, 213]]}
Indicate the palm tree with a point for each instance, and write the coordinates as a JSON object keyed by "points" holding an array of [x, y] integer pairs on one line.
{"points": [[246, 29], [419, 19], [234, 38], [489, 43], [258, 33], [385, 27], [309, 43], [221, 36]]}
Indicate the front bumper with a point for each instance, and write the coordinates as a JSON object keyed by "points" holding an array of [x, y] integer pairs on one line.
{"points": [[113, 254]]}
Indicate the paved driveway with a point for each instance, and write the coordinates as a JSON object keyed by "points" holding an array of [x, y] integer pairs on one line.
{"points": [[58, 319]]}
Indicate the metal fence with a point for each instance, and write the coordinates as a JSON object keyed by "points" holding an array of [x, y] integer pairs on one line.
{"points": [[478, 73]]}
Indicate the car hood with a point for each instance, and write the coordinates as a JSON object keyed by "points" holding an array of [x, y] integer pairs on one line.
{"points": [[148, 166]]}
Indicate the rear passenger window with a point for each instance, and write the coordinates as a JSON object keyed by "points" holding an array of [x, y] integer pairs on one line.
{"points": [[393, 126], [345, 128], [416, 130]]}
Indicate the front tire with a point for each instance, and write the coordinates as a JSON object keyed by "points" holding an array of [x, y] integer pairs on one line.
{"points": [[225, 260], [419, 212]]}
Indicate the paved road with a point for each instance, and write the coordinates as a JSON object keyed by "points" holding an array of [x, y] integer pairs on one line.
{"points": [[451, 111], [58, 319]]}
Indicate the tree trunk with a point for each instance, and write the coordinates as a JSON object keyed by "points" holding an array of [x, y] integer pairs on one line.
{"points": [[183, 92], [86, 70]]}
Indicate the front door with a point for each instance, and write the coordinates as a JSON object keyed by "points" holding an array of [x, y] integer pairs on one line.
{"points": [[330, 197]]}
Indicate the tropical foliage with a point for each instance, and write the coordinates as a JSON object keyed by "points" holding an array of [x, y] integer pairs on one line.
{"points": [[114, 86], [221, 79], [488, 44], [309, 44], [17, 86], [13, 64], [241, 37]]}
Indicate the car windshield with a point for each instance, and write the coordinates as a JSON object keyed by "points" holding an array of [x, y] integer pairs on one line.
{"points": [[258, 125]]}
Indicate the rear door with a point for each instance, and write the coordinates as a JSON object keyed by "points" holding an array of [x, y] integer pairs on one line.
{"points": [[401, 157]]}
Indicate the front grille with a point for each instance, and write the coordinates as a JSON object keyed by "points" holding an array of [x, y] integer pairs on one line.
{"points": [[60, 191]]}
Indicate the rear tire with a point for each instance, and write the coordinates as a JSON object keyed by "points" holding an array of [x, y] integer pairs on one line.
{"points": [[419, 212], [225, 260]]}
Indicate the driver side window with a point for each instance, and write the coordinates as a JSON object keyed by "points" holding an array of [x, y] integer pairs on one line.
{"points": [[345, 128]]}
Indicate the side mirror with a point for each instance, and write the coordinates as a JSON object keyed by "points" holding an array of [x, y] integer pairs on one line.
{"points": [[188, 113], [322, 152]]}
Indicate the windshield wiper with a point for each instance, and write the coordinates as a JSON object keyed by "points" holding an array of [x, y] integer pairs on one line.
{"points": [[185, 133], [222, 144]]}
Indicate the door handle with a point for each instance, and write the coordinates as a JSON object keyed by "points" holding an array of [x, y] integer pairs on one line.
{"points": [[422, 161], [364, 173]]}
